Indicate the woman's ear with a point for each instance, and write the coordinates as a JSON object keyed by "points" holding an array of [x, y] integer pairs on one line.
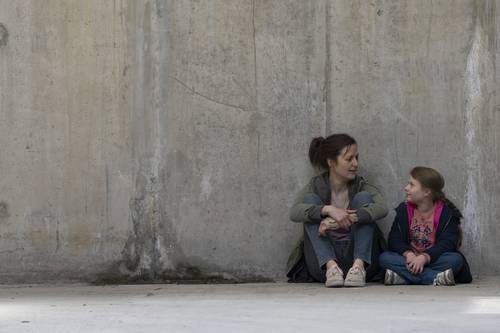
{"points": [[331, 163]]}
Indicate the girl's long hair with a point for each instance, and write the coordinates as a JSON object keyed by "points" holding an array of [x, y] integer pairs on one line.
{"points": [[433, 180]]}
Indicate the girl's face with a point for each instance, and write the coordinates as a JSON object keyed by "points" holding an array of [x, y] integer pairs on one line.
{"points": [[346, 165], [415, 193]]}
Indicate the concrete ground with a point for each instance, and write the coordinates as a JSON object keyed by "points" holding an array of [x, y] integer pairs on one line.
{"points": [[267, 307]]}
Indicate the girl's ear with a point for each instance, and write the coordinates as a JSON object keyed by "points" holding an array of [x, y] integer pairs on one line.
{"points": [[427, 192]]}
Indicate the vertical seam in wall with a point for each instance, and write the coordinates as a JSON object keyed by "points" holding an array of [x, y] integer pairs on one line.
{"points": [[328, 119], [254, 56], [473, 104], [156, 93], [256, 92], [429, 32]]}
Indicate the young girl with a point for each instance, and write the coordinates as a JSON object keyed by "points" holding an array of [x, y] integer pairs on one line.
{"points": [[425, 236]]}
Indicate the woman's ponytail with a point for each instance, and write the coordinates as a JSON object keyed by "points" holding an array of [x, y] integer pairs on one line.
{"points": [[315, 155]]}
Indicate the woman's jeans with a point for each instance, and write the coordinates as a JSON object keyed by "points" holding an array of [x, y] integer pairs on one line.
{"points": [[397, 263], [319, 250]]}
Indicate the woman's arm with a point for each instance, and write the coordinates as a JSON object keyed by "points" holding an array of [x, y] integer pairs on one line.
{"points": [[307, 206], [373, 211]]}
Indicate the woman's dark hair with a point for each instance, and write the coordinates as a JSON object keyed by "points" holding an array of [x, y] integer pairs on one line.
{"points": [[322, 149]]}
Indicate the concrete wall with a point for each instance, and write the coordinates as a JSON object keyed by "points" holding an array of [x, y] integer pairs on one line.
{"points": [[166, 139]]}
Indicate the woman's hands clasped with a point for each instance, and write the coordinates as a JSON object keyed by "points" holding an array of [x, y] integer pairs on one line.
{"points": [[337, 218], [344, 217]]}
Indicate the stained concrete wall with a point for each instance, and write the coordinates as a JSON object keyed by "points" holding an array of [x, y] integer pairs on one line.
{"points": [[166, 139]]}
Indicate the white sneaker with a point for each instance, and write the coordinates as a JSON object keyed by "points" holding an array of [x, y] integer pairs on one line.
{"points": [[356, 277], [334, 277], [445, 278]]}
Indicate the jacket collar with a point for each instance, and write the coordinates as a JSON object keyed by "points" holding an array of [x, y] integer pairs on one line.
{"points": [[447, 212], [321, 186], [410, 209]]}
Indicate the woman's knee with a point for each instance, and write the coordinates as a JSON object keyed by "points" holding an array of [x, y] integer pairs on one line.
{"points": [[361, 199], [363, 229], [312, 199]]}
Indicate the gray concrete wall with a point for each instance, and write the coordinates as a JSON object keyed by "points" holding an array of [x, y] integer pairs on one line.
{"points": [[166, 139]]}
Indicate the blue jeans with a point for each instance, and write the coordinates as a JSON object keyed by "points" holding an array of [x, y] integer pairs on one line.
{"points": [[319, 250], [397, 263]]}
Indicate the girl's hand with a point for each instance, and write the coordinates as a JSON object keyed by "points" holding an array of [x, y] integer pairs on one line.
{"points": [[409, 257], [417, 264]]}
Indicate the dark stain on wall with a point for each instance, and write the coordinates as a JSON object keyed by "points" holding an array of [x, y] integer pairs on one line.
{"points": [[4, 211], [145, 213], [182, 274], [151, 230], [4, 35]]}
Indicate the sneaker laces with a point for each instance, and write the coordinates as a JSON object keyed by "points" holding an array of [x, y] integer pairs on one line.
{"points": [[333, 270]]}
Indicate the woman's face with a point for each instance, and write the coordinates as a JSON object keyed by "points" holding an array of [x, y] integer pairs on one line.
{"points": [[415, 193], [346, 165]]}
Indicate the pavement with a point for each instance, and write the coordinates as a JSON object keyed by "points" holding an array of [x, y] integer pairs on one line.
{"points": [[259, 307]]}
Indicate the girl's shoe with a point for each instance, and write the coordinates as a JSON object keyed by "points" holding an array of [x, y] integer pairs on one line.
{"points": [[392, 278], [445, 278]]}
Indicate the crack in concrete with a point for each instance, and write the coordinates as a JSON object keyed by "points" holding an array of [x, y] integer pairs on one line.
{"points": [[194, 92], [58, 237]]}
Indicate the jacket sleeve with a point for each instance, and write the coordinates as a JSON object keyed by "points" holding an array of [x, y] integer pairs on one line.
{"points": [[307, 206], [397, 242], [447, 241], [375, 210]]}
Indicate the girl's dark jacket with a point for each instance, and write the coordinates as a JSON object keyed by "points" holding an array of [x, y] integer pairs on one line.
{"points": [[448, 236]]}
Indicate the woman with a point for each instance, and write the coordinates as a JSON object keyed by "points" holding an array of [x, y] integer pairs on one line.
{"points": [[338, 210], [425, 236]]}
